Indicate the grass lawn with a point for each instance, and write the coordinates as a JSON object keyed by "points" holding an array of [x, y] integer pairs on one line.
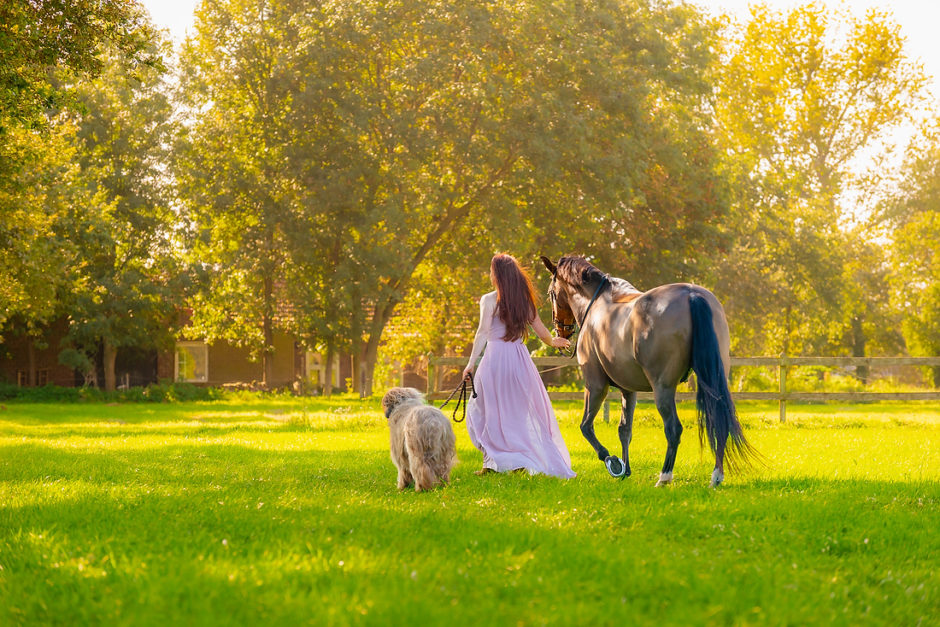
{"points": [[284, 511]]}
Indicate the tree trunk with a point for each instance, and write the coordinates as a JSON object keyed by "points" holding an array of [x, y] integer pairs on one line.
{"points": [[267, 328], [355, 371], [109, 358], [267, 354], [328, 372], [379, 320], [368, 368], [356, 338]]}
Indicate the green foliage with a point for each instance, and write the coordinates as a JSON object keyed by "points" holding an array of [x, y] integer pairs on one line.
{"points": [[440, 313], [760, 379], [418, 127], [166, 392], [871, 323], [346, 170], [46, 48], [801, 94], [237, 84], [815, 379], [79, 360], [44, 394], [915, 262], [124, 285], [37, 184], [285, 511]]}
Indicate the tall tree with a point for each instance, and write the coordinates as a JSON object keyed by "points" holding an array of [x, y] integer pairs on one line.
{"points": [[445, 119], [38, 184], [124, 286], [238, 82], [350, 143], [870, 323], [46, 48], [913, 217], [801, 95]]}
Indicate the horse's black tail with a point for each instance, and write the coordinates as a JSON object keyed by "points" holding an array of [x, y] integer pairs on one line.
{"points": [[716, 412]]}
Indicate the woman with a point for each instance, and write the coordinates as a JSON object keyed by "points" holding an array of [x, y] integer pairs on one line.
{"points": [[512, 420]]}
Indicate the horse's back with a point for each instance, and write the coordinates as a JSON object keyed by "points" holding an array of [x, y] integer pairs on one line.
{"points": [[662, 328]]}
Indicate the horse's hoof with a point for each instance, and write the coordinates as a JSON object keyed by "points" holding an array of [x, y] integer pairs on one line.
{"points": [[717, 478], [665, 478], [615, 467]]}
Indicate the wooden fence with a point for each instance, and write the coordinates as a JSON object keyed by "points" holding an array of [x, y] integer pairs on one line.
{"points": [[782, 395]]}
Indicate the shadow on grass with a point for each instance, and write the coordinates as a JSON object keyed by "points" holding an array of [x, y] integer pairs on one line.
{"points": [[216, 426], [37, 414]]}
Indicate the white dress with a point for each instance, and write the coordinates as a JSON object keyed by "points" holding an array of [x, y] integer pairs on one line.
{"points": [[512, 421]]}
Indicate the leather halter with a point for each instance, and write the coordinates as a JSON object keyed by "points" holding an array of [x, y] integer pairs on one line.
{"points": [[570, 328]]}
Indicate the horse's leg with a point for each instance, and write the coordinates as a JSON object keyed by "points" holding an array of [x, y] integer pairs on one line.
{"points": [[593, 398], [625, 430], [718, 475], [666, 404]]}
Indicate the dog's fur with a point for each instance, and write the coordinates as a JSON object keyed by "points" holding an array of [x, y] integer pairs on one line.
{"points": [[423, 442]]}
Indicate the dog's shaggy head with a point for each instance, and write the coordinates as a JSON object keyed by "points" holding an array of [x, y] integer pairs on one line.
{"points": [[396, 396]]}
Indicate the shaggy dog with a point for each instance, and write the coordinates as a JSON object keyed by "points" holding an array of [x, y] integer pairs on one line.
{"points": [[423, 442]]}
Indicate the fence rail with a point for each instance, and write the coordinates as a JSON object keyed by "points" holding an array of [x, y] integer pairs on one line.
{"points": [[782, 395]]}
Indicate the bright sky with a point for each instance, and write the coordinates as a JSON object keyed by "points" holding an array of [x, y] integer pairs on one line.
{"points": [[918, 20]]}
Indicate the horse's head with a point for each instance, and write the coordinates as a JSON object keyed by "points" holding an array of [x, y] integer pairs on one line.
{"points": [[562, 316]]}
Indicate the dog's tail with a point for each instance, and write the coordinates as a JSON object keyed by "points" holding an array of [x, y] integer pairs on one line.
{"points": [[431, 450]]}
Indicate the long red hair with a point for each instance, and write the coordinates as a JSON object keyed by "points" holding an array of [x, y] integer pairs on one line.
{"points": [[515, 296]]}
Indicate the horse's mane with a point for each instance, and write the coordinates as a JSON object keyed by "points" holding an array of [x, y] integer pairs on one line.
{"points": [[576, 270], [622, 291]]}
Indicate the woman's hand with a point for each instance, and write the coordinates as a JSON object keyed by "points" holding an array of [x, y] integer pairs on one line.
{"points": [[560, 342], [467, 373]]}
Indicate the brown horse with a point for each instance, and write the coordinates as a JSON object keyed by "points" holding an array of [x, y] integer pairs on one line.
{"points": [[642, 341]]}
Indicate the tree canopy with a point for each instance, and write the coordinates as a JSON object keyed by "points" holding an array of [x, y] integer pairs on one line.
{"points": [[47, 49], [343, 172], [801, 94], [395, 129]]}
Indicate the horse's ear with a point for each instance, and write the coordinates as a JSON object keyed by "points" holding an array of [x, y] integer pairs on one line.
{"points": [[548, 264]]}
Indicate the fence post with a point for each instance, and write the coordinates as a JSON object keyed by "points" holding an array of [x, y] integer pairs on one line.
{"points": [[783, 386], [430, 374], [606, 410]]}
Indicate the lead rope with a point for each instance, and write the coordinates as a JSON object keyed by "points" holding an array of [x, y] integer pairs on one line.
{"points": [[462, 399], [593, 298]]}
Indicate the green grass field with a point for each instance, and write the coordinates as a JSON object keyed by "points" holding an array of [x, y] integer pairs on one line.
{"points": [[284, 511]]}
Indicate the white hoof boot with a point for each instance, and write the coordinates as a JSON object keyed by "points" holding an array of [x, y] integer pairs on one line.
{"points": [[717, 478], [665, 478], [615, 467]]}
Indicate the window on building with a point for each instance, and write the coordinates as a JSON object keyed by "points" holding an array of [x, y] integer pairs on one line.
{"points": [[22, 378], [42, 376], [192, 362], [316, 368]]}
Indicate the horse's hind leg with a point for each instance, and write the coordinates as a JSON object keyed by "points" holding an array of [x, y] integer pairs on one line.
{"points": [[718, 474], [625, 430], [666, 404]]}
